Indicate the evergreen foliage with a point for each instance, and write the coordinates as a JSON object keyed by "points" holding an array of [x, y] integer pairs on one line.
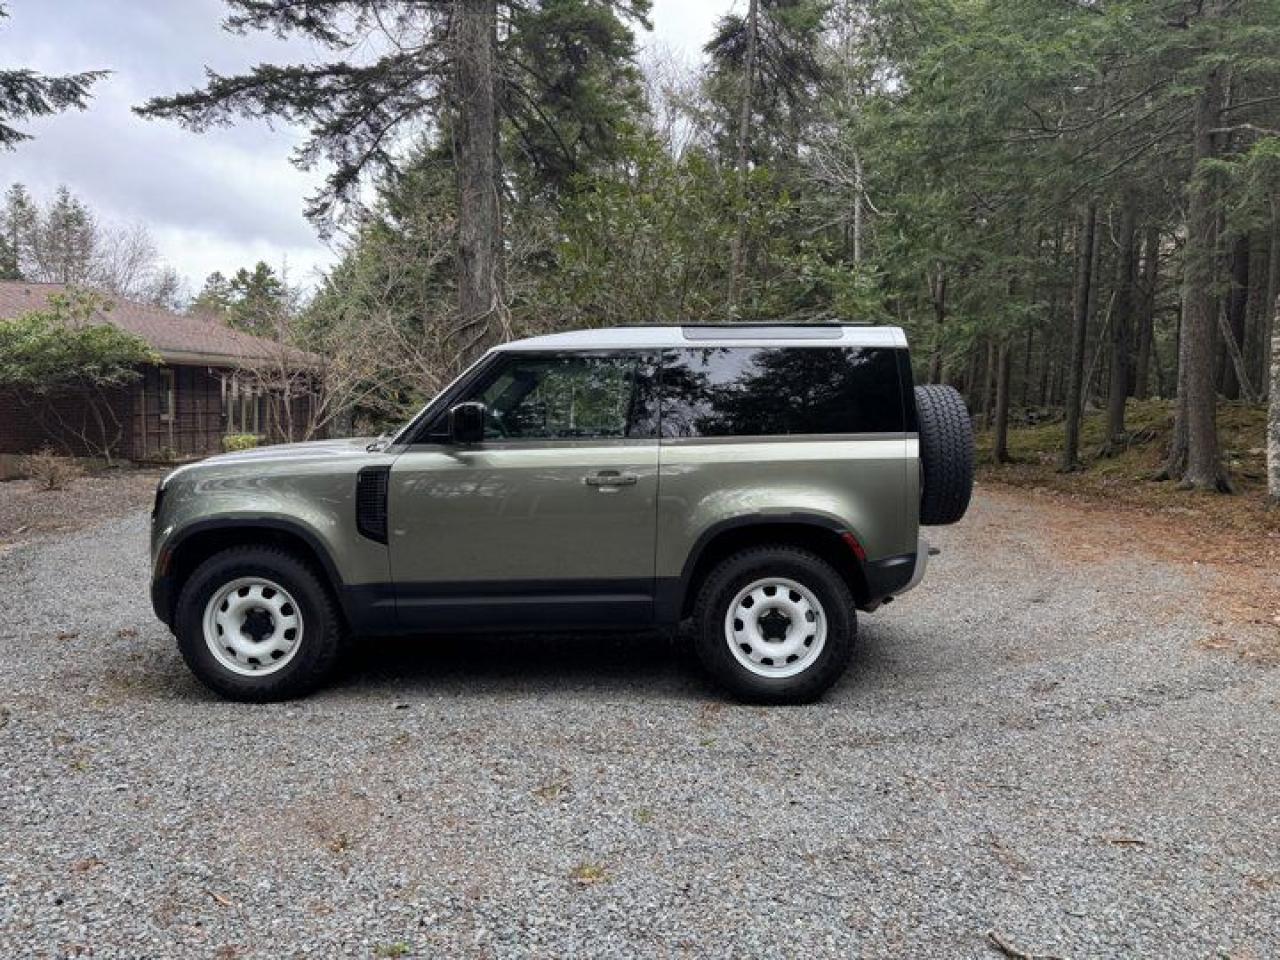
{"points": [[1067, 203], [26, 95]]}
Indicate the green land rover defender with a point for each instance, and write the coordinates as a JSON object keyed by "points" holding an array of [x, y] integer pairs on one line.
{"points": [[764, 482]]}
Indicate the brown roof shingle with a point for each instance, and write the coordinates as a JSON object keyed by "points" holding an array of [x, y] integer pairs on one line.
{"points": [[178, 338]]}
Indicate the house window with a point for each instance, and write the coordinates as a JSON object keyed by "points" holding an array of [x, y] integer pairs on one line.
{"points": [[229, 392], [167, 389], [247, 424]]}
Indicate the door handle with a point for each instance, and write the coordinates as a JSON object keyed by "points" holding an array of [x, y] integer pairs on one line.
{"points": [[610, 478]]}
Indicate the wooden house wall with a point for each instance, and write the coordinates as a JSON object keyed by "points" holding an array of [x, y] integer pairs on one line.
{"points": [[195, 429], [58, 425]]}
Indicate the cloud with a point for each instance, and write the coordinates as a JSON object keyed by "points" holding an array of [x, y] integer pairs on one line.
{"points": [[218, 200], [231, 190], [684, 26]]}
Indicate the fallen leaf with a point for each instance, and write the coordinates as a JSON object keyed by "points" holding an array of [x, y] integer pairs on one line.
{"points": [[585, 874]]}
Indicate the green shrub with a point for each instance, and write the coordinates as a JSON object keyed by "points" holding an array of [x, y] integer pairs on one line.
{"points": [[239, 441]]}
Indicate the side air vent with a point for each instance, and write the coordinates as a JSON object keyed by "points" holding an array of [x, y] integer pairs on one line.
{"points": [[371, 503]]}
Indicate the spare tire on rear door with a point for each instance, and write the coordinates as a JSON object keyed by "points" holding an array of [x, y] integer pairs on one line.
{"points": [[946, 455]]}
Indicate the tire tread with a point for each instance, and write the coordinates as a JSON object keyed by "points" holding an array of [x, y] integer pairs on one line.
{"points": [[946, 454]]}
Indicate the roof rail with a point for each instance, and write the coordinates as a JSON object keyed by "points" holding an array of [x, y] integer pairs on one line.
{"points": [[756, 331]]}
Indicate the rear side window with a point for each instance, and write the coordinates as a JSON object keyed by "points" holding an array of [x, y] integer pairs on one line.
{"points": [[772, 391]]}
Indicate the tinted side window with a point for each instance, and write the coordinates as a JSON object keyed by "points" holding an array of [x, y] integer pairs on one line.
{"points": [[746, 391], [569, 397]]}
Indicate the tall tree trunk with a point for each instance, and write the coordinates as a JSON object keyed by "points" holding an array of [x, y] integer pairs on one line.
{"points": [[1233, 330], [1198, 414], [1095, 293], [938, 296], [969, 385], [1002, 402], [1176, 462], [1273, 414], [1122, 325], [857, 208], [1236, 362], [483, 318], [1255, 346], [1028, 351], [988, 383], [1085, 240], [745, 109], [1147, 315], [1273, 282], [1050, 328], [1045, 393]]}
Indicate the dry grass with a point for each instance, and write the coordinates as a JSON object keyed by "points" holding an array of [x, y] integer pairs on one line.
{"points": [[48, 470], [1128, 478]]}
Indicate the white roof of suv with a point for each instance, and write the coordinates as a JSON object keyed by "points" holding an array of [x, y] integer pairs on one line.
{"points": [[715, 335]]}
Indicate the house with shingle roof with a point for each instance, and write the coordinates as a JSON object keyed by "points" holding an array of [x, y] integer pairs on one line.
{"points": [[204, 389]]}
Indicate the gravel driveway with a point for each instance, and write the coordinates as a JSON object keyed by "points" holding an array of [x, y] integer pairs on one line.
{"points": [[1036, 743]]}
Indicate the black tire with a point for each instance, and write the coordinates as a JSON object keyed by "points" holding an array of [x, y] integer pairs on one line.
{"points": [[946, 455], [735, 574], [317, 650]]}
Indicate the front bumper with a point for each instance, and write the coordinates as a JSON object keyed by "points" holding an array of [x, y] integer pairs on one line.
{"points": [[162, 598]]}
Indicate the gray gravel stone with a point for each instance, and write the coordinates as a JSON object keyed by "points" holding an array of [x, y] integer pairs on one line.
{"points": [[1029, 743]]}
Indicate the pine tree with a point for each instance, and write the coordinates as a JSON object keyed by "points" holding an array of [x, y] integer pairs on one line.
{"points": [[25, 95], [18, 228], [215, 298], [259, 300], [441, 67]]}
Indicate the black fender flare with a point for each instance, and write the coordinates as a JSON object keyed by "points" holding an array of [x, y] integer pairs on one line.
{"points": [[165, 586], [673, 594]]}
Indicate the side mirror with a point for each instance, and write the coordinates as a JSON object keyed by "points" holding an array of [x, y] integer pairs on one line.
{"points": [[466, 423]]}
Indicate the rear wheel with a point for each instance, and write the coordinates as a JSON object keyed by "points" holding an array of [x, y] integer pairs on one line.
{"points": [[775, 625], [256, 624]]}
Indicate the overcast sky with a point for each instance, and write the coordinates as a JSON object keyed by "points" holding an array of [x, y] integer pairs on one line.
{"points": [[215, 201]]}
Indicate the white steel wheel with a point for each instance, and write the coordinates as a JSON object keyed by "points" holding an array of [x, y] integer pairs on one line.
{"points": [[775, 627], [252, 626]]}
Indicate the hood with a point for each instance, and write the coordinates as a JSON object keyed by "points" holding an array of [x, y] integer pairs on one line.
{"points": [[311, 450], [284, 453]]}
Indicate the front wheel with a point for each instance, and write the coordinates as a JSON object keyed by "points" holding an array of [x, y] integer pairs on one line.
{"points": [[775, 625], [256, 624]]}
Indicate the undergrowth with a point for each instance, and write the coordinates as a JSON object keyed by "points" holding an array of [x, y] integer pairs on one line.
{"points": [[1128, 477]]}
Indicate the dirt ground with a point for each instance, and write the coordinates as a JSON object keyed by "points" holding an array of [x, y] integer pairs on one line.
{"points": [[27, 512], [1242, 561]]}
